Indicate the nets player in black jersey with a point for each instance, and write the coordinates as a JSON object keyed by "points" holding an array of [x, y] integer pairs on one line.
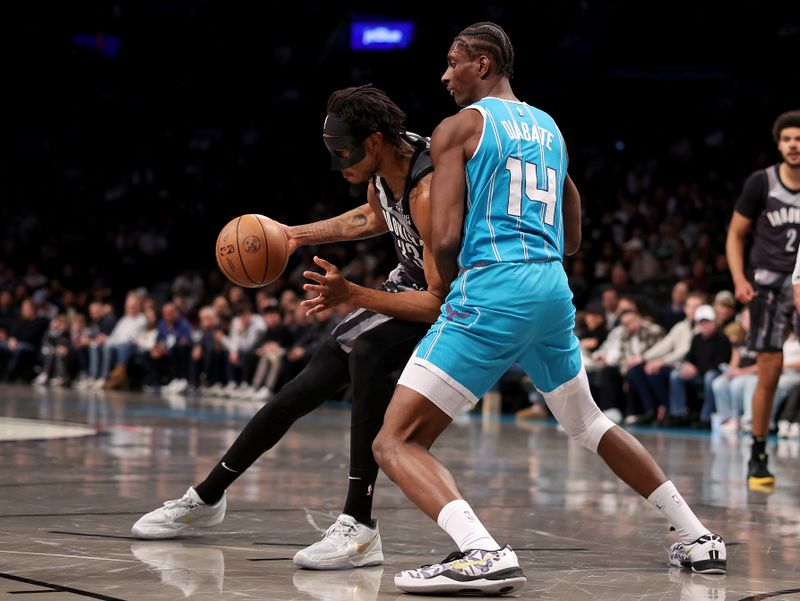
{"points": [[769, 205], [364, 132]]}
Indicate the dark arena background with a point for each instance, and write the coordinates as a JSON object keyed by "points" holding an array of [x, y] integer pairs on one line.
{"points": [[134, 131]]}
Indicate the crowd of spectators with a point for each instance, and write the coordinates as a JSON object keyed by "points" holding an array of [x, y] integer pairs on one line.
{"points": [[231, 345], [114, 193]]}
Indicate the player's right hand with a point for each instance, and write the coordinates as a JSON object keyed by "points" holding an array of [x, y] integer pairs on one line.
{"points": [[744, 292], [291, 241]]}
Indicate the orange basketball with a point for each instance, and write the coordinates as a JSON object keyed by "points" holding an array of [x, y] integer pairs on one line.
{"points": [[252, 250]]}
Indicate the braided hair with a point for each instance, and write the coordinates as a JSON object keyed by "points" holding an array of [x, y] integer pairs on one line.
{"points": [[366, 109], [488, 38]]}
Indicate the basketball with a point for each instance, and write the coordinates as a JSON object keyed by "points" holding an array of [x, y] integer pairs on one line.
{"points": [[252, 250]]}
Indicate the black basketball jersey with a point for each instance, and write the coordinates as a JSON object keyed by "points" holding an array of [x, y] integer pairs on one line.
{"points": [[775, 209], [410, 273]]}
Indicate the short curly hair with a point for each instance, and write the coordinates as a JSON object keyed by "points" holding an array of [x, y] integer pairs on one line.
{"points": [[788, 119]]}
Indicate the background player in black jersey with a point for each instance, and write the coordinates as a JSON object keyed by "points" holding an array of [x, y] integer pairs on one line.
{"points": [[364, 132], [769, 206]]}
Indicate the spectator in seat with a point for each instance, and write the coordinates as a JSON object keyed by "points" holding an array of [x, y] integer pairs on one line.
{"points": [[55, 353], [120, 343], [742, 372], [648, 376], [209, 355], [172, 347], [628, 341], [19, 351], [674, 312], [710, 349]]}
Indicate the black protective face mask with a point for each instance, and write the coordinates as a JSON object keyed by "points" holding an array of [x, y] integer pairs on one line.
{"points": [[337, 135]]}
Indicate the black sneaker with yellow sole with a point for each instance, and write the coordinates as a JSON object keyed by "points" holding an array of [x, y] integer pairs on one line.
{"points": [[757, 472]]}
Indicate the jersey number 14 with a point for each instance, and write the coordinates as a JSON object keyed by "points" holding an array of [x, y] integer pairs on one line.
{"points": [[547, 196]]}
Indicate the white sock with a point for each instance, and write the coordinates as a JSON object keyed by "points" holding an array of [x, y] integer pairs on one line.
{"points": [[458, 520], [669, 501]]}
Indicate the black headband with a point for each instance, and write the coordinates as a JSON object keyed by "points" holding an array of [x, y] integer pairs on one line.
{"points": [[336, 126], [337, 135]]}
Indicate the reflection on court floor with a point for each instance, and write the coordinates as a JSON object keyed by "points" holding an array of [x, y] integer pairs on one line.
{"points": [[67, 504]]}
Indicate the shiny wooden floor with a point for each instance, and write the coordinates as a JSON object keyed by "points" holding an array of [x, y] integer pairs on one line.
{"points": [[67, 504]]}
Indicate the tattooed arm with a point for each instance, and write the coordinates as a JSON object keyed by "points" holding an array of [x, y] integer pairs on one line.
{"points": [[423, 306], [362, 222]]}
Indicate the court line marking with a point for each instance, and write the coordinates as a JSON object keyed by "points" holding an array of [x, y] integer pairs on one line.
{"points": [[92, 535], [760, 596], [59, 588], [303, 545], [70, 556]]}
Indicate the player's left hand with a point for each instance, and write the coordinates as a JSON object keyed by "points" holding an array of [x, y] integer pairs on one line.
{"points": [[332, 288]]}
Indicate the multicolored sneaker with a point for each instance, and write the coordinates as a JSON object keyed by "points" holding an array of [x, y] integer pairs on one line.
{"points": [[178, 514], [706, 555], [345, 545], [474, 571]]}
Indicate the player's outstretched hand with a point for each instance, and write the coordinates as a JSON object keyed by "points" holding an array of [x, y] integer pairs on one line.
{"points": [[332, 287]]}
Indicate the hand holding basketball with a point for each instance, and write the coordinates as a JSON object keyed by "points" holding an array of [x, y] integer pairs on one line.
{"points": [[252, 250]]}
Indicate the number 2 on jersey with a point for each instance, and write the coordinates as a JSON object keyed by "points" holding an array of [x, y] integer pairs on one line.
{"points": [[791, 237], [532, 191]]}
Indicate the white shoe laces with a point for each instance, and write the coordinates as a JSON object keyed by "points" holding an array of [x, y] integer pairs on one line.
{"points": [[174, 506], [339, 531]]}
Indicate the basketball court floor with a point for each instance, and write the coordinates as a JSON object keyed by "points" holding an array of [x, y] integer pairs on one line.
{"points": [[78, 468]]}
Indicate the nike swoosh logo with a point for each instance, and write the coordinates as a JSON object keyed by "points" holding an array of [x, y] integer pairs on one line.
{"points": [[460, 565], [361, 547], [229, 469]]}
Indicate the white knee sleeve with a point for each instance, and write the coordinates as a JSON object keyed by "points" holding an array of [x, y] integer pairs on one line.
{"points": [[574, 408]]}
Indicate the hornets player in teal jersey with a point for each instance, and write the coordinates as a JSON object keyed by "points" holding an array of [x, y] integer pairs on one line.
{"points": [[504, 212]]}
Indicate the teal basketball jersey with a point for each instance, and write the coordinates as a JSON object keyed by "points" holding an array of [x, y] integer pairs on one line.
{"points": [[515, 184]]}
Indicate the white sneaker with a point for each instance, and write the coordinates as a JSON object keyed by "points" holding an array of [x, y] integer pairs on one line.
{"points": [[706, 555], [262, 395], [178, 514], [794, 430], [346, 544], [243, 392], [41, 379], [474, 571], [83, 383], [214, 390], [783, 428], [180, 385]]}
